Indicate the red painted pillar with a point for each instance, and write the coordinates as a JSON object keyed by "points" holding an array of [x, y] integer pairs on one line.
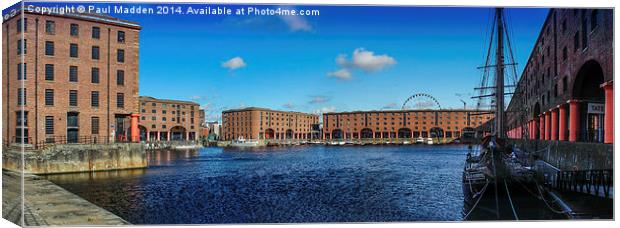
{"points": [[541, 125], [554, 124], [135, 132], [573, 123], [533, 129], [529, 128], [547, 123], [609, 111], [562, 136]]}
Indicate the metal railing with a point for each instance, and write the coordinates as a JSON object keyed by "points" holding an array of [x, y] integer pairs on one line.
{"points": [[593, 182], [62, 140]]}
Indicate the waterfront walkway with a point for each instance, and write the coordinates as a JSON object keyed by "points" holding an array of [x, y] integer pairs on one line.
{"points": [[47, 204]]}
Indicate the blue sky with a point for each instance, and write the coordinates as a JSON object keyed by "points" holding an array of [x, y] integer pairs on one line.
{"points": [[347, 58]]}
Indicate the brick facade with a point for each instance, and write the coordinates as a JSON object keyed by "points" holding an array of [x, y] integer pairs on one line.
{"points": [[572, 58], [260, 123], [164, 120], [69, 112], [401, 124]]}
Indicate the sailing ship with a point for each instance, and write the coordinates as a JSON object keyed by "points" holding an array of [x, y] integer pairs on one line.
{"points": [[494, 177]]}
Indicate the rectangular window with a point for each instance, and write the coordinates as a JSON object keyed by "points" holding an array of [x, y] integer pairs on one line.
{"points": [[22, 46], [94, 75], [576, 41], [49, 72], [49, 97], [73, 98], [94, 98], [21, 120], [73, 73], [21, 71], [95, 52], [75, 30], [564, 53], [564, 25], [120, 77], [564, 84], [21, 96], [22, 26], [120, 55], [73, 50], [120, 37], [94, 123], [18, 135], [49, 125], [584, 30], [120, 100], [49, 48], [50, 27], [96, 33]]}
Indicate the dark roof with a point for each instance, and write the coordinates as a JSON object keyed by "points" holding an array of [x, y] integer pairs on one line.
{"points": [[409, 110], [262, 109]]}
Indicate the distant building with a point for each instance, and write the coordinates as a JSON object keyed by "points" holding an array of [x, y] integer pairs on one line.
{"points": [[79, 74], [392, 124], [261, 123], [166, 120], [565, 92]]}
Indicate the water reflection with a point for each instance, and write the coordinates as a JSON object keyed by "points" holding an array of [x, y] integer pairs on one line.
{"points": [[282, 184]]}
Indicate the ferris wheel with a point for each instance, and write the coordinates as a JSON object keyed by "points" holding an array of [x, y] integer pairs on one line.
{"points": [[421, 101]]}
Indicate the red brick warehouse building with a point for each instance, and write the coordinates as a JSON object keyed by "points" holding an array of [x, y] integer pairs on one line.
{"points": [[566, 89], [402, 124], [265, 124], [79, 74], [165, 120]]}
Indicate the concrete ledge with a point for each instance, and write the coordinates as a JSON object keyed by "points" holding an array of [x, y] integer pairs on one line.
{"points": [[47, 204], [75, 158]]}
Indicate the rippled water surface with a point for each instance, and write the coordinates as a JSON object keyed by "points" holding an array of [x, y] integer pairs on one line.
{"points": [[283, 184]]}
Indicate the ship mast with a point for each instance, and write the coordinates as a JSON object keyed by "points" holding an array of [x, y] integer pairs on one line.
{"points": [[499, 76]]}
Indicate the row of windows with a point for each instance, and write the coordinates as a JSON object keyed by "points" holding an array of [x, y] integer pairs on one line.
{"points": [[73, 51], [74, 30], [179, 113], [580, 42], [49, 125], [409, 123], [73, 98], [164, 119], [163, 106], [73, 74]]}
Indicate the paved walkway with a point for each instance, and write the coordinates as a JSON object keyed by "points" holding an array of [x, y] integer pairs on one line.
{"points": [[48, 204]]}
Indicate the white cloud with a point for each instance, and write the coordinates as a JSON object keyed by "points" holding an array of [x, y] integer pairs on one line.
{"points": [[324, 110], [361, 59], [318, 99], [366, 60], [234, 63], [341, 74], [295, 22]]}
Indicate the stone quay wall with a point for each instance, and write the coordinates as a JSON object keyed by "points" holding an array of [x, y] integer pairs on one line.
{"points": [[75, 158], [569, 156]]}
